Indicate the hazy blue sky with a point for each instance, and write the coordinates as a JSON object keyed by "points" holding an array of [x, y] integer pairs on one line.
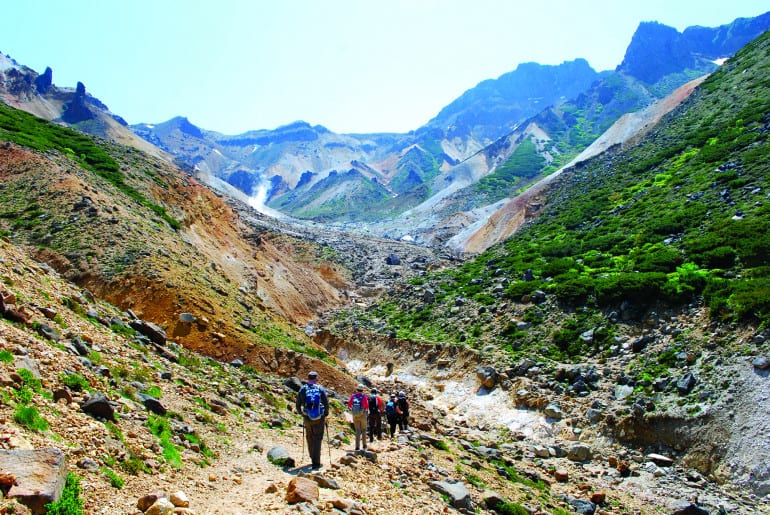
{"points": [[352, 66]]}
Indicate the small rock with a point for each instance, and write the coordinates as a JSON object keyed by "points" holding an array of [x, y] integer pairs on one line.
{"points": [[160, 507], [179, 499], [144, 502], [660, 460], [301, 489], [579, 452]]}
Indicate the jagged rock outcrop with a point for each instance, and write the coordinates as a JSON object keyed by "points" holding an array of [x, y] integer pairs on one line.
{"points": [[76, 110]]}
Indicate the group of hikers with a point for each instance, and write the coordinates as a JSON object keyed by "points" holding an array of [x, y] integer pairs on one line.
{"points": [[367, 411]]}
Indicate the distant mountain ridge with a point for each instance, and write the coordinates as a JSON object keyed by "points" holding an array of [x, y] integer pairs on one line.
{"points": [[485, 147], [433, 172]]}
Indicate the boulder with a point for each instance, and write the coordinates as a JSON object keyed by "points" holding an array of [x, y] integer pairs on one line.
{"points": [[392, 259], [152, 404], [686, 383], [458, 494], [99, 406], [301, 489], [279, 456], [160, 507], [321, 480], [579, 452], [154, 332], [40, 476], [553, 411], [487, 376]]}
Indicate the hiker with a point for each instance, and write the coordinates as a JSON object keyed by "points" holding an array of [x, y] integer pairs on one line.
{"points": [[392, 416], [313, 403], [376, 409], [402, 410], [359, 408]]}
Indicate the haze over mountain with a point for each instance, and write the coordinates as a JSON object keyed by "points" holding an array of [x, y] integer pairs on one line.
{"points": [[434, 182]]}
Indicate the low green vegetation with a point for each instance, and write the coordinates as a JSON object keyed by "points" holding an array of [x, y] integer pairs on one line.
{"points": [[39, 134], [75, 382], [161, 428], [678, 220], [70, 502], [524, 164], [29, 417], [115, 480]]}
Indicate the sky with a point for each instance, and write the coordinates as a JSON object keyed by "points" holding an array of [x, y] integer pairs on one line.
{"points": [[353, 66]]}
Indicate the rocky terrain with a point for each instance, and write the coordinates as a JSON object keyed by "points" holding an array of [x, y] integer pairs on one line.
{"points": [[536, 437], [154, 332]]}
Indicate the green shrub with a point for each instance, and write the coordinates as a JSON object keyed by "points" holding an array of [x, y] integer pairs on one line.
{"points": [[28, 379], [70, 502], [575, 290], [161, 428], [23, 395], [510, 508], [28, 417], [440, 445], [154, 391], [134, 466], [75, 382], [6, 356], [115, 480], [637, 287]]}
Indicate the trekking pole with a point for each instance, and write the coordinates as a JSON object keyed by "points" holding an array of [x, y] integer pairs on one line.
{"points": [[328, 440], [302, 459]]}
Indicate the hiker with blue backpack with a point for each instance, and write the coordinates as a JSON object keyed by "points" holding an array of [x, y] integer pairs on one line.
{"points": [[358, 404], [313, 403], [391, 415]]}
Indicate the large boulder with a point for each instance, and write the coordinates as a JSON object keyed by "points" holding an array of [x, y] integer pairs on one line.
{"points": [[40, 476]]}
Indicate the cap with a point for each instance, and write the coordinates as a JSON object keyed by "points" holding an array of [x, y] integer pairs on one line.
{"points": [[360, 387], [392, 395], [402, 394], [312, 375], [374, 390]]}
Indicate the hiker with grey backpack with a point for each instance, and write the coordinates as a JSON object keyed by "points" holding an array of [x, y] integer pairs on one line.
{"points": [[313, 403], [358, 404]]}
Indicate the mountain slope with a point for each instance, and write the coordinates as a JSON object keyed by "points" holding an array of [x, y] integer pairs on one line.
{"points": [[510, 217], [635, 304], [138, 232]]}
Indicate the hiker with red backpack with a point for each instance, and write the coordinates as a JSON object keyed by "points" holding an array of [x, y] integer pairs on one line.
{"points": [[358, 404], [313, 403], [376, 409]]}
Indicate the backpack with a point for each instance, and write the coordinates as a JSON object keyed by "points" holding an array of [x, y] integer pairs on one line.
{"points": [[390, 408], [403, 405], [357, 405], [373, 407], [313, 407]]}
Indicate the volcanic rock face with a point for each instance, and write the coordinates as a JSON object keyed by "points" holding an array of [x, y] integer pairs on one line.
{"points": [[76, 110], [44, 81]]}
